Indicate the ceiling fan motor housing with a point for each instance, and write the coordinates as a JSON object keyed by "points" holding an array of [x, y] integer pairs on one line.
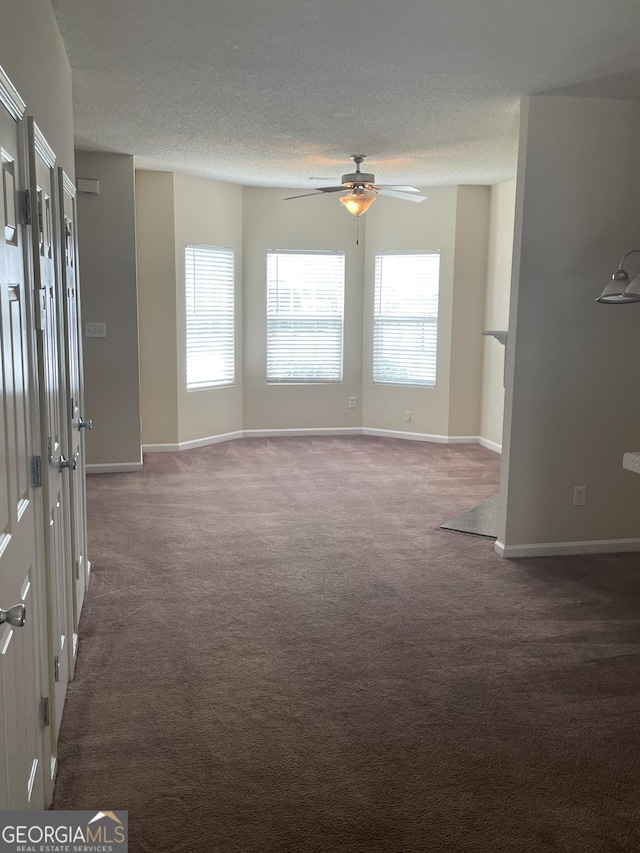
{"points": [[358, 178]]}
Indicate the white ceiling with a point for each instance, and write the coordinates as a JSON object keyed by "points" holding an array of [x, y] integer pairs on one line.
{"points": [[275, 92]]}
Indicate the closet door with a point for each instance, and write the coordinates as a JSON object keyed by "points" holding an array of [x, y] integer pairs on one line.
{"points": [[60, 572], [77, 424], [22, 634]]}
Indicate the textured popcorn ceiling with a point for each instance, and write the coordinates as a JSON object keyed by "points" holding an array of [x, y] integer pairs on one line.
{"points": [[275, 92]]}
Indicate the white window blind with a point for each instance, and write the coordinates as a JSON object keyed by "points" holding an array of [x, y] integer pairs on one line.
{"points": [[305, 309], [209, 281], [405, 330]]}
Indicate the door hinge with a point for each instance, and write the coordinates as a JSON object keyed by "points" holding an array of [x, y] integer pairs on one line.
{"points": [[56, 668], [26, 207], [36, 471], [44, 711]]}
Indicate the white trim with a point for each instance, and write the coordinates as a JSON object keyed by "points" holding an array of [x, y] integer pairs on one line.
{"points": [[500, 336], [10, 97], [175, 447], [248, 433], [114, 468], [42, 146], [490, 445], [284, 433], [421, 436], [192, 443], [556, 549], [67, 184], [32, 778]]}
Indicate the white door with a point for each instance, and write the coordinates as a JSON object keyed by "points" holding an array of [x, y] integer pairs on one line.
{"points": [[55, 473], [22, 774], [74, 395]]}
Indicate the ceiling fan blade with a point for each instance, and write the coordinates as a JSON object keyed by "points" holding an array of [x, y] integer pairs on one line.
{"points": [[402, 195], [399, 188], [304, 195], [318, 191]]}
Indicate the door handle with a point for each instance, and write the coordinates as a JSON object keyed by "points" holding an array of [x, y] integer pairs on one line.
{"points": [[71, 464], [15, 615], [82, 424]]}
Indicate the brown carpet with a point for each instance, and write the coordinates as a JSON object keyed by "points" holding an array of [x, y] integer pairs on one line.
{"points": [[281, 651]]}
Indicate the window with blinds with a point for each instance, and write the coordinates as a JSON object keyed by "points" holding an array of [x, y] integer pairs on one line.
{"points": [[405, 325], [305, 310], [209, 280]]}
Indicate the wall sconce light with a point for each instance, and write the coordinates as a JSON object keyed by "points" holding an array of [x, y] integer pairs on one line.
{"points": [[619, 291]]}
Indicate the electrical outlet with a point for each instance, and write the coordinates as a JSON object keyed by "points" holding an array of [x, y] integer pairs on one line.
{"points": [[352, 402], [95, 330], [579, 495], [407, 417]]}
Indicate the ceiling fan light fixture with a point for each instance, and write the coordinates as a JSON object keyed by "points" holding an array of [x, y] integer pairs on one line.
{"points": [[357, 203], [619, 291]]}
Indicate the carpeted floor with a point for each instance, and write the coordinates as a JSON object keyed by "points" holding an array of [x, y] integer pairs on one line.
{"points": [[281, 652]]}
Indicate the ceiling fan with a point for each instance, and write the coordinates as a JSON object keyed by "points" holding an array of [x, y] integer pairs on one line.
{"points": [[362, 190]]}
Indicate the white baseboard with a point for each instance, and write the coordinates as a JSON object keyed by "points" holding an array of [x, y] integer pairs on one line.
{"points": [[421, 436], [283, 433], [559, 549], [308, 431], [114, 468], [193, 443], [490, 445]]}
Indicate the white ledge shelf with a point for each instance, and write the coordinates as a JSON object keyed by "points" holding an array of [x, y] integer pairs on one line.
{"points": [[631, 461], [498, 335]]}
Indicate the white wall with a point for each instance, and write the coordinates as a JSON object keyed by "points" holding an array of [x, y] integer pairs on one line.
{"points": [[33, 55], [573, 387], [503, 199], [107, 252]]}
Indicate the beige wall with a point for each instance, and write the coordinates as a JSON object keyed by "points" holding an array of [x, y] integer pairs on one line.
{"points": [[469, 286], [32, 54], [155, 236], [207, 213], [503, 199], [454, 220], [573, 396], [107, 250], [307, 223], [396, 225]]}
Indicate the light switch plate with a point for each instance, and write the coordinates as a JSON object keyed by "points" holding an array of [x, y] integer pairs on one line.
{"points": [[95, 330]]}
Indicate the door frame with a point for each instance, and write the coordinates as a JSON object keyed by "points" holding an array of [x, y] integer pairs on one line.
{"points": [[11, 100], [54, 572]]}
